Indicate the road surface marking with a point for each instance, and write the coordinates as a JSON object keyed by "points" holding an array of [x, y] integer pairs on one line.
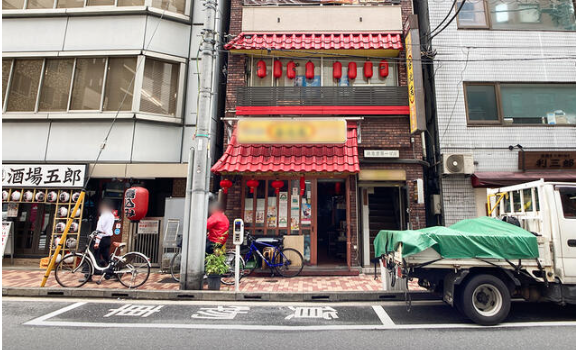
{"points": [[40, 320], [383, 316]]}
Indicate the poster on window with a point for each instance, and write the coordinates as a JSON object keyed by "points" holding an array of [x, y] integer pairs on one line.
{"points": [[295, 212], [283, 209], [271, 212], [306, 247], [248, 210], [12, 210], [306, 212], [260, 208]]}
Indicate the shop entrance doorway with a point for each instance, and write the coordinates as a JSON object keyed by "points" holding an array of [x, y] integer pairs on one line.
{"points": [[32, 229], [331, 223]]}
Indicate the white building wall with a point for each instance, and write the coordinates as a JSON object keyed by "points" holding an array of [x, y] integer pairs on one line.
{"points": [[464, 55]]}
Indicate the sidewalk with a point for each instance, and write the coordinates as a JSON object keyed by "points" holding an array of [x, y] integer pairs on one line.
{"points": [[163, 282]]}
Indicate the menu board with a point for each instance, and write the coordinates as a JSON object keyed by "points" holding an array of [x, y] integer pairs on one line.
{"points": [[248, 210], [295, 211], [260, 207], [306, 212], [283, 209], [271, 212]]}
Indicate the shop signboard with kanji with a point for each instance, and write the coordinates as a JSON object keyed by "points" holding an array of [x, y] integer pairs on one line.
{"points": [[547, 160], [43, 175]]}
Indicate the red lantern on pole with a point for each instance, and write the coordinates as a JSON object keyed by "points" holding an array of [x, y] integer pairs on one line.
{"points": [[368, 71], [252, 184], [136, 203], [352, 70], [277, 69], [261, 72], [302, 185], [291, 70], [383, 68], [277, 185], [337, 70], [225, 184], [309, 70]]}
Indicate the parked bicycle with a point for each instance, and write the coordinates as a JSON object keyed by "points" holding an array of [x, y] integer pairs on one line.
{"points": [[75, 269], [227, 278], [287, 262]]}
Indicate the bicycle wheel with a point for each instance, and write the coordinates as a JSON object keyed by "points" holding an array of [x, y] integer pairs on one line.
{"points": [[73, 271], [133, 269], [175, 266], [229, 278], [250, 265], [291, 262]]}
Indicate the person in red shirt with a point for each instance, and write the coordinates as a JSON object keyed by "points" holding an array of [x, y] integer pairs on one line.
{"points": [[218, 225]]}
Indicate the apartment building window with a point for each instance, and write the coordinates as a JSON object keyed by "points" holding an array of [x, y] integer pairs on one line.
{"points": [[520, 104], [557, 15], [69, 3], [177, 6], [323, 73], [12, 4], [159, 87], [90, 84]]}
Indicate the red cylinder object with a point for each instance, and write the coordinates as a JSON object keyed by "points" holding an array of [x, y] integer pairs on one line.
{"points": [[261, 72], [309, 70], [277, 185], [225, 184], [383, 68], [302, 185], [277, 69], [136, 203], [291, 70], [338, 187], [252, 184], [337, 70], [368, 70], [352, 70]]}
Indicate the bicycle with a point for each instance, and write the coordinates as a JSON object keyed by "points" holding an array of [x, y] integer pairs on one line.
{"points": [[227, 279], [287, 262], [76, 269]]}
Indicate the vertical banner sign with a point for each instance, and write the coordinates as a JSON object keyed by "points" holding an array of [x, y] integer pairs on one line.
{"points": [[415, 78]]}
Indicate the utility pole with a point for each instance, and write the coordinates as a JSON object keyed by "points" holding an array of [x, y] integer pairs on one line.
{"points": [[194, 241]]}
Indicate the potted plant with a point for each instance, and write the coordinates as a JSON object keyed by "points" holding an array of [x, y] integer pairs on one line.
{"points": [[215, 267]]}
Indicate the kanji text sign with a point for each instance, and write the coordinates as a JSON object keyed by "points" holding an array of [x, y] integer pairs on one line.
{"points": [[550, 160], [43, 175]]}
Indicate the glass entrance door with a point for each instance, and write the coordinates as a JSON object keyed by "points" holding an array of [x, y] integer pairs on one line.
{"points": [[32, 229]]}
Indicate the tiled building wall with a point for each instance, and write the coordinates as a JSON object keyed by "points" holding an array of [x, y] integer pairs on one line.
{"points": [[469, 55]]}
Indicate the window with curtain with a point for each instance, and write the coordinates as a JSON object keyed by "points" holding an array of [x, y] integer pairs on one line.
{"points": [[88, 80], [56, 85], [24, 85], [159, 93], [119, 83]]}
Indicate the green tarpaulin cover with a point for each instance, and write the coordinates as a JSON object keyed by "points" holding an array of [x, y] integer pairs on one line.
{"points": [[475, 238]]}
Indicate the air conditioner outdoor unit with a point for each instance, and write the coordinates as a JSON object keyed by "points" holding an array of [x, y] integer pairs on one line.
{"points": [[458, 164]]}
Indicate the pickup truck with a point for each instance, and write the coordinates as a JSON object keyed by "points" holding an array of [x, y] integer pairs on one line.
{"points": [[532, 257]]}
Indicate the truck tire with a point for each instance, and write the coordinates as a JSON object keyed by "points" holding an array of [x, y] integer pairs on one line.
{"points": [[485, 299]]}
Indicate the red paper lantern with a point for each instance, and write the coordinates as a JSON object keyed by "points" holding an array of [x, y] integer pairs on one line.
{"points": [[302, 185], [252, 184], [261, 72], [352, 70], [225, 184], [291, 70], [338, 187], [337, 70], [277, 185], [136, 203], [368, 71], [277, 69], [383, 68], [309, 70]]}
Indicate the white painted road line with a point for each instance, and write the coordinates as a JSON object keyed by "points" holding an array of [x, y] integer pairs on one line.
{"points": [[40, 320], [382, 315]]}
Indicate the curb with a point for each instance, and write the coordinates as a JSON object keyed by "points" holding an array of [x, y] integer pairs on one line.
{"points": [[214, 295]]}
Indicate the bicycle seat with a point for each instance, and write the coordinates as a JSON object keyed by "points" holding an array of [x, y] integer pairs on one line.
{"points": [[270, 240], [118, 245]]}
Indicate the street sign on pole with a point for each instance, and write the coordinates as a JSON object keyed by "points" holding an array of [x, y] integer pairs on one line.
{"points": [[237, 239]]}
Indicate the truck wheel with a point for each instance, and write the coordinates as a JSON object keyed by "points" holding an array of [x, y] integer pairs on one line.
{"points": [[485, 300]]}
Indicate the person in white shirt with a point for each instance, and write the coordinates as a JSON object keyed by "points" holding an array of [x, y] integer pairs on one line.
{"points": [[104, 227]]}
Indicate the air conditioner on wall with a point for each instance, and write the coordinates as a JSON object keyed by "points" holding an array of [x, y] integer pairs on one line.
{"points": [[458, 163]]}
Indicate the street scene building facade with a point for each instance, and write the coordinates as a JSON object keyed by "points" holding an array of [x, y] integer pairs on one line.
{"points": [[106, 82], [504, 109], [293, 67]]}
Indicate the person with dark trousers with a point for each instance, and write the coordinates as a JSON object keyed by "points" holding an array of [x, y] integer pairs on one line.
{"points": [[105, 229]]}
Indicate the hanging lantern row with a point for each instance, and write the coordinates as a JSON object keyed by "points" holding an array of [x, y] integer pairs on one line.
{"points": [[277, 185], [252, 184], [225, 184], [367, 69]]}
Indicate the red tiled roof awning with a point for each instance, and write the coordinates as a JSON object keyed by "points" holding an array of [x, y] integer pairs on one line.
{"points": [[301, 158], [316, 41]]}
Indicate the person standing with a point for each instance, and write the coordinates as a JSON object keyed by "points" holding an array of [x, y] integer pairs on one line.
{"points": [[104, 228], [217, 225]]}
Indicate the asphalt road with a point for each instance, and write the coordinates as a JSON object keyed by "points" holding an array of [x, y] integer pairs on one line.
{"points": [[127, 324]]}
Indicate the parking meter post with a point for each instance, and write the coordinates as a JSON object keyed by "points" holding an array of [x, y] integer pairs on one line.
{"points": [[237, 239]]}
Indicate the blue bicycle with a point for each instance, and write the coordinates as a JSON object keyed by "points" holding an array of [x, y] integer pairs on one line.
{"points": [[287, 262]]}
